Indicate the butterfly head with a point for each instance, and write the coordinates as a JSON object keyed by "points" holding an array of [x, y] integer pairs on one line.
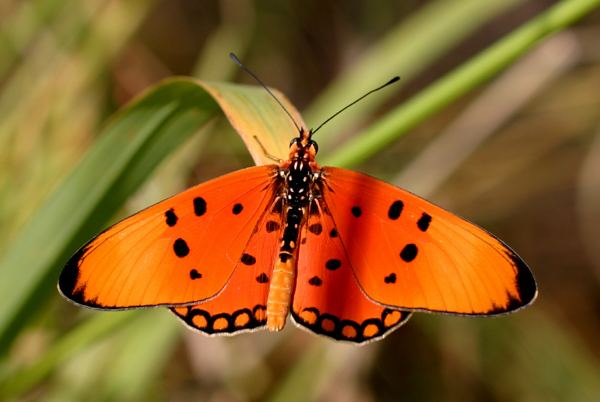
{"points": [[303, 147]]}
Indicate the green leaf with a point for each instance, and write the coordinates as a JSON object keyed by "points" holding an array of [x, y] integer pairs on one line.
{"points": [[130, 147], [406, 50], [460, 81], [98, 326]]}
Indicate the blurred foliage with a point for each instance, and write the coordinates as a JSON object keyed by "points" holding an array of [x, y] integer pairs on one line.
{"points": [[518, 155]]}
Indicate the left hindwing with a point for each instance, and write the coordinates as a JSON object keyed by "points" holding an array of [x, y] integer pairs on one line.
{"points": [[242, 304], [408, 253]]}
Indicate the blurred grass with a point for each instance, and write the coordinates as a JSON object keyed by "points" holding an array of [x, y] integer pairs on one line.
{"points": [[73, 342], [52, 65], [464, 79], [553, 365], [405, 50], [139, 138], [60, 55]]}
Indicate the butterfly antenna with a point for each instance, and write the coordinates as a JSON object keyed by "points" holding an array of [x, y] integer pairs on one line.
{"points": [[246, 69], [356, 101]]}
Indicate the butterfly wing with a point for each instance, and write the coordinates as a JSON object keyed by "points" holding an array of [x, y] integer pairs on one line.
{"points": [[181, 250], [327, 299], [408, 253], [241, 306]]}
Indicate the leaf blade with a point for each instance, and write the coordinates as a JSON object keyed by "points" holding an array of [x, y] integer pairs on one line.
{"points": [[137, 139]]}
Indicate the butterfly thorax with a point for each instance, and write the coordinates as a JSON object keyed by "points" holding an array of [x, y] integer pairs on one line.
{"points": [[298, 179]]}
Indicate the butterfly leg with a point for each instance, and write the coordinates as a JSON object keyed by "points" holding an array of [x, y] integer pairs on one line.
{"points": [[267, 154]]}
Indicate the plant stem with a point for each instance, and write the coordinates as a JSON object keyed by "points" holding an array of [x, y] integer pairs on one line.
{"points": [[460, 81]]}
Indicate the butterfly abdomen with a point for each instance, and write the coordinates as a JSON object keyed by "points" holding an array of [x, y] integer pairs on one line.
{"points": [[280, 291], [284, 272], [295, 198]]}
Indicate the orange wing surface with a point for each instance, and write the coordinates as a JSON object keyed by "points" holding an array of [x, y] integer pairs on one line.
{"points": [[408, 253], [328, 300], [241, 306], [179, 251]]}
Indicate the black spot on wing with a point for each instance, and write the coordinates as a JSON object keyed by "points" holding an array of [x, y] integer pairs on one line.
{"points": [[333, 264], [248, 259], [272, 226], [199, 206], [237, 209], [409, 252], [262, 278], [333, 233], [395, 209], [170, 217], [424, 221], [391, 278], [194, 274], [356, 211], [315, 281], [181, 248], [315, 228]]}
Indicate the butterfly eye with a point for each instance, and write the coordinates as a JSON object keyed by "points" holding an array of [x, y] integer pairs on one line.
{"points": [[294, 141], [315, 145]]}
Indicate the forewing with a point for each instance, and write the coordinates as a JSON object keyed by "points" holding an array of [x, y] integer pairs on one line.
{"points": [[408, 253], [327, 299], [181, 250]]}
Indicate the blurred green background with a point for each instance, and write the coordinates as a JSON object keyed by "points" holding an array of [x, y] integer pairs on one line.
{"points": [[508, 138]]}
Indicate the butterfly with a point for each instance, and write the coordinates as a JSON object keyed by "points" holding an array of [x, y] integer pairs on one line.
{"points": [[348, 256]]}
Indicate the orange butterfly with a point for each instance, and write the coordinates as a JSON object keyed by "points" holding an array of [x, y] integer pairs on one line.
{"points": [[351, 256]]}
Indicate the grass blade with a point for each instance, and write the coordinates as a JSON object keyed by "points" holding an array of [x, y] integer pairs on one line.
{"points": [[406, 50], [135, 142], [459, 82]]}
